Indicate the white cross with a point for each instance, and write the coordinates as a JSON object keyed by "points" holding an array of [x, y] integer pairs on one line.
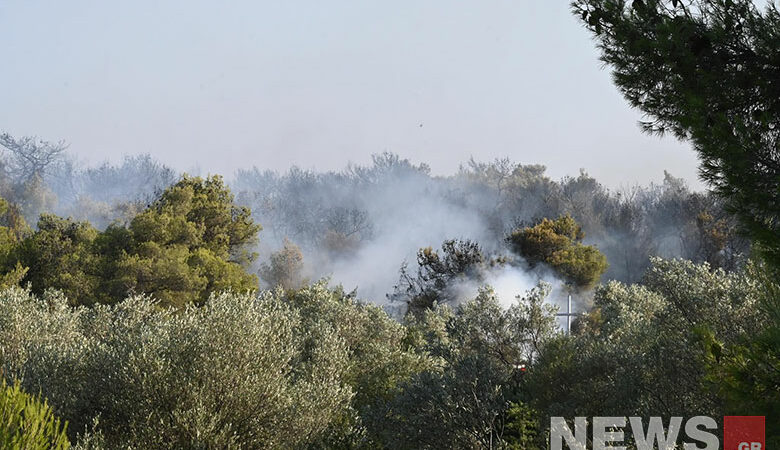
{"points": [[568, 314]]}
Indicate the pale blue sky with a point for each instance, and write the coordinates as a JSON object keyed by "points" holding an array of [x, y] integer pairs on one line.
{"points": [[223, 85]]}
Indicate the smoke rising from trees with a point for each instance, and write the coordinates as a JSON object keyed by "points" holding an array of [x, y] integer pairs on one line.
{"points": [[361, 225]]}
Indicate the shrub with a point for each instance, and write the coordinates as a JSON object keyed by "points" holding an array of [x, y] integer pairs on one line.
{"points": [[642, 351], [481, 350], [239, 371], [279, 370], [284, 267]]}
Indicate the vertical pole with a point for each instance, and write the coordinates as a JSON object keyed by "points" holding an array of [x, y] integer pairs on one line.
{"points": [[568, 316]]}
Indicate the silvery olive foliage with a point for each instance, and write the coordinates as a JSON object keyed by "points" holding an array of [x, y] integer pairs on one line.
{"points": [[481, 352], [309, 368], [317, 368], [644, 348], [242, 371], [378, 358]]}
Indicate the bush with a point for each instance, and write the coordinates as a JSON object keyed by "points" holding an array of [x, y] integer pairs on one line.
{"points": [[239, 371], [643, 352], [276, 371], [481, 350], [377, 354], [284, 267], [27, 423]]}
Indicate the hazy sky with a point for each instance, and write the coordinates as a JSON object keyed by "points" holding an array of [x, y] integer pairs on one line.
{"points": [[223, 85]]}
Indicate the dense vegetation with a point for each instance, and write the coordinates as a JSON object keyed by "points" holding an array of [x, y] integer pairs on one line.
{"points": [[150, 310], [707, 71], [189, 242], [150, 331], [315, 367], [379, 215]]}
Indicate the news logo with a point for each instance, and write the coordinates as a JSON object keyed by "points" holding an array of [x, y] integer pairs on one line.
{"points": [[744, 433], [699, 433]]}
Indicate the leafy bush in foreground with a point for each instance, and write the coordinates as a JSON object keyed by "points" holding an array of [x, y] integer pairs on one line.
{"points": [[234, 373], [315, 368], [470, 398], [278, 370], [646, 348]]}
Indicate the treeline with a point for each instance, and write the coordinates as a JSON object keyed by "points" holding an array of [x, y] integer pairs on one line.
{"points": [[39, 176], [332, 215], [194, 240], [190, 242], [393, 207]]}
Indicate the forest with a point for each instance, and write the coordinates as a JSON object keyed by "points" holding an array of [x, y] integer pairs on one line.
{"points": [[381, 306]]}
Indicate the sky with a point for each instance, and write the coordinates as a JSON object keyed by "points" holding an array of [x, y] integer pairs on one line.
{"points": [[211, 87]]}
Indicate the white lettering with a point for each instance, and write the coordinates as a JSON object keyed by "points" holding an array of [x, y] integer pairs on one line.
{"points": [[602, 437], [692, 429], [560, 431], [655, 433]]}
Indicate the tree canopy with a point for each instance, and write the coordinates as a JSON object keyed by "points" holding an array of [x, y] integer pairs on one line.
{"points": [[13, 229], [558, 244], [192, 241], [708, 71], [705, 71], [438, 274]]}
